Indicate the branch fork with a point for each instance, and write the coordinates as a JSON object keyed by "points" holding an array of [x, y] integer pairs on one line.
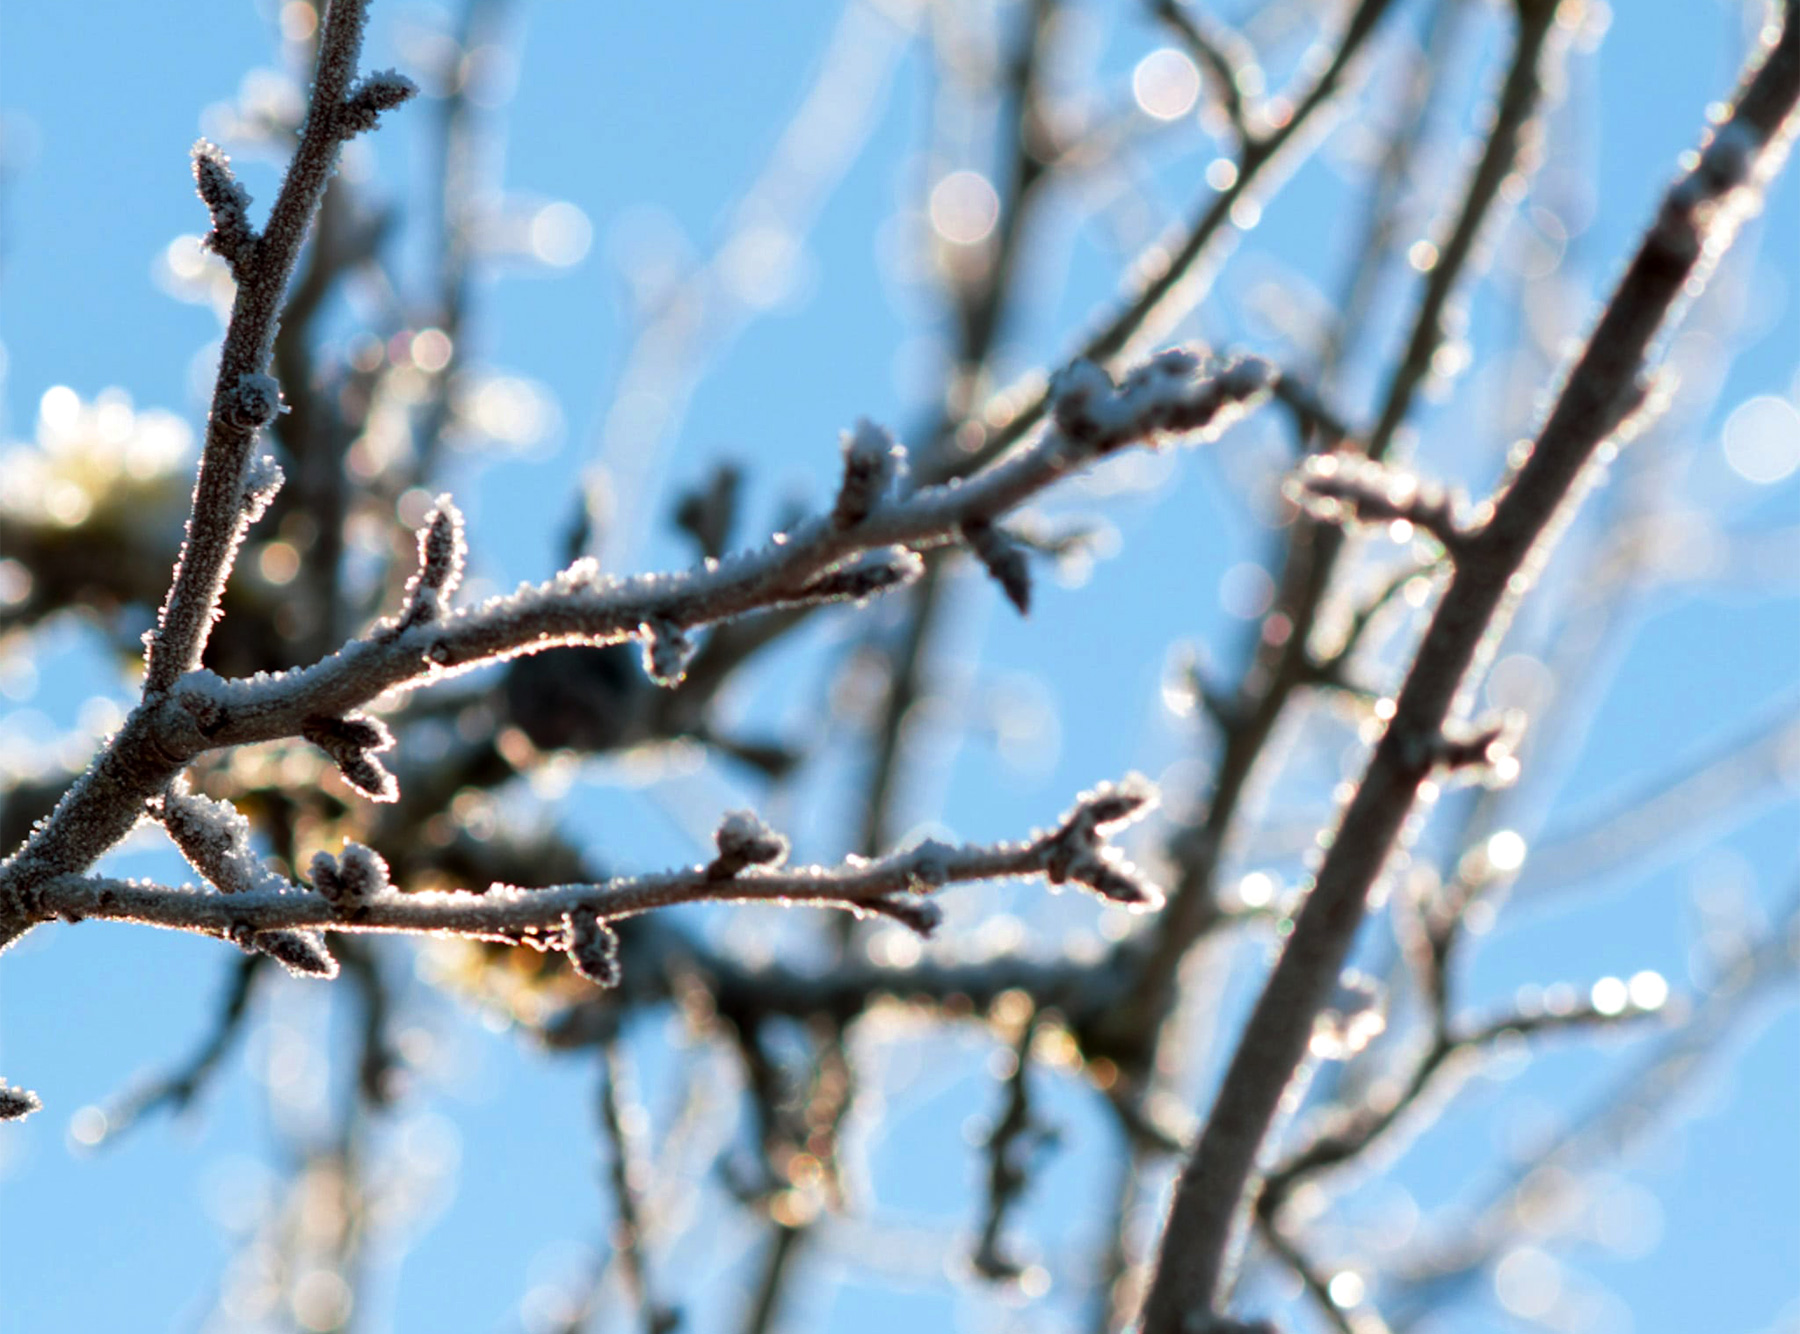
{"points": [[1348, 489]]}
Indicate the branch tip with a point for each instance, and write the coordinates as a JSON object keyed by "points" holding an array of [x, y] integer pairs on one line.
{"points": [[744, 840], [302, 953], [352, 742], [872, 462], [1180, 391], [443, 554], [1079, 850], [232, 237], [1003, 558], [373, 94], [17, 1103], [921, 916], [593, 949]]}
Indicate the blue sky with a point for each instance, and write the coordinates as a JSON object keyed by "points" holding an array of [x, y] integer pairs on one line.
{"points": [[652, 121]]}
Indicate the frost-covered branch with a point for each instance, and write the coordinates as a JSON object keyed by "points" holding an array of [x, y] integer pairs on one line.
{"points": [[1177, 394], [17, 1102], [1604, 388], [244, 399], [352, 893]]}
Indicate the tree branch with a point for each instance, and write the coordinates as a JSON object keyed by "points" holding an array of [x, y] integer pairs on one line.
{"points": [[1175, 394], [245, 397], [352, 894], [1693, 226], [1167, 276]]}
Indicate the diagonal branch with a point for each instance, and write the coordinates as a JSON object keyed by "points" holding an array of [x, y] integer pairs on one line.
{"points": [[1693, 227]]}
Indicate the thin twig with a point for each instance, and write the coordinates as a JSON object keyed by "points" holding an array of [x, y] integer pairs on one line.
{"points": [[626, 1171], [785, 1245], [1172, 277], [1534, 47], [1358, 1319], [1223, 54], [178, 1089], [1016, 1139]]}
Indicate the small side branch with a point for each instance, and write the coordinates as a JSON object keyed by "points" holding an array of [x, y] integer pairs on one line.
{"points": [[1015, 1142], [627, 1170], [232, 237], [1348, 488], [351, 894], [177, 1090]]}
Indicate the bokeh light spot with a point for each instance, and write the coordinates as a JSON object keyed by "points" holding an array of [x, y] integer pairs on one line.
{"points": [[1166, 84], [964, 208], [1762, 440]]}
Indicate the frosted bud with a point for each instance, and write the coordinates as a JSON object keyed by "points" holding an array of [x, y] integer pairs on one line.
{"points": [[922, 916], [17, 1102], [302, 953], [744, 840], [667, 651], [872, 460], [593, 949], [253, 402], [1003, 558], [373, 94]]}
